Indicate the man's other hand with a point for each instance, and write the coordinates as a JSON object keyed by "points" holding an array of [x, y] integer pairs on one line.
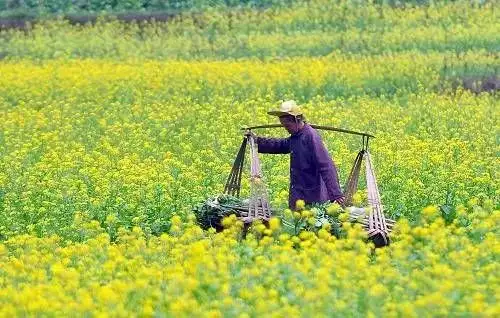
{"points": [[340, 201], [248, 133]]}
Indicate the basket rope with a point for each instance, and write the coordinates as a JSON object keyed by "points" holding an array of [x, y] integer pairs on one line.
{"points": [[259, 207], [377, 226], [233, 183]]}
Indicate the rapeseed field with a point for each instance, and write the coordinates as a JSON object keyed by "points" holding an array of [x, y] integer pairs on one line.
{"points": [[111, 133]]}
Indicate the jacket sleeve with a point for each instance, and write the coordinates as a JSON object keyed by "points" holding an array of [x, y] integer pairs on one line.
{"points": [[273, 145], [326, 167]]}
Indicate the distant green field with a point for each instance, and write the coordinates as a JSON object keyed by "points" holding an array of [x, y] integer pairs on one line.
{"points": [[13, 8]]}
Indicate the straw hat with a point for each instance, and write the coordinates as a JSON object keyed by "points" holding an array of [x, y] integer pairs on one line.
{"points": [[288, 107]]}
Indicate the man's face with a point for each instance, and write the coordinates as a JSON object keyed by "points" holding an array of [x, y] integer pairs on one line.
{"points": [[290, 123]]}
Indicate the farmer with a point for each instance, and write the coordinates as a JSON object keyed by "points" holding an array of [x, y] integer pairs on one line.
{"points": [[313, 175]]}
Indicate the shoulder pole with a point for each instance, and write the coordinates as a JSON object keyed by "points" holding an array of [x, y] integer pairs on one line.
{"points": [[329, 128]]}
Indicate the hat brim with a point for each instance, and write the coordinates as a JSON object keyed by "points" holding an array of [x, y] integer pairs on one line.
{"points": [[279, 113]]}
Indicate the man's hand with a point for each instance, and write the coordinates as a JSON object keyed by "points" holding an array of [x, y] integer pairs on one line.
{"points": [[248, 133], [340, 201]]}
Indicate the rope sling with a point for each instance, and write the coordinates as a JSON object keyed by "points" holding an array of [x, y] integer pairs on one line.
{"points": [[258, 207], [375, 223]]}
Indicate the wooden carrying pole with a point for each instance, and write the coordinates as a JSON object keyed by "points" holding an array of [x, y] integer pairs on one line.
{"points": [[347, 131]]}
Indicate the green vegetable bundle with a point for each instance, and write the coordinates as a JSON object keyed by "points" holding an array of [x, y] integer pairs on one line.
{"points": [[211, 212], [312, 218]]}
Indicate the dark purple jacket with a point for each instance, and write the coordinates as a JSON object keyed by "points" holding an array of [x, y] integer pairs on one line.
{"points": [[313, 175]]}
